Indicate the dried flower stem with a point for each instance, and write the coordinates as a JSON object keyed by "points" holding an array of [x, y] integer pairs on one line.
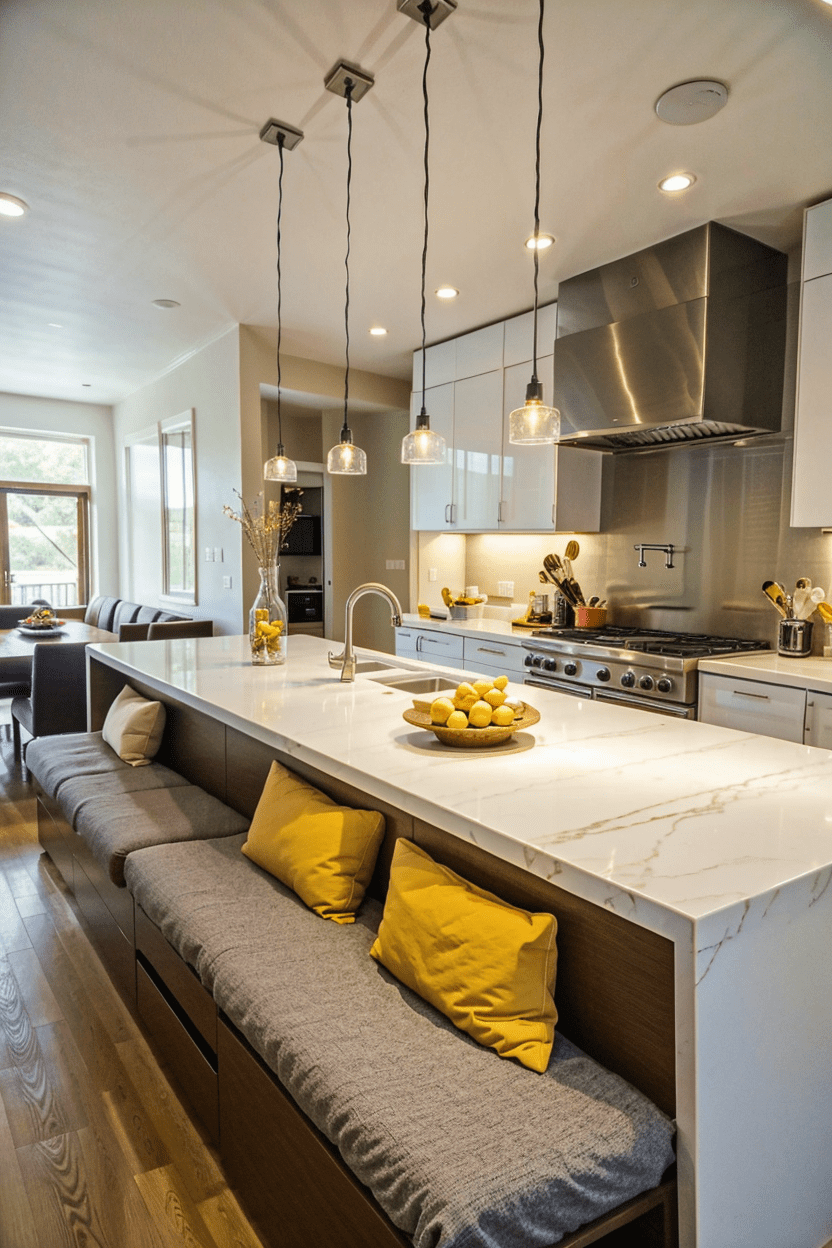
{"points": [[266, 530]]}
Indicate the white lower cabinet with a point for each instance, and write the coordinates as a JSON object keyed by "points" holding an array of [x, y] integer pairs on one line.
{"points": [[818, 726], [493, 658], [752, 706], [430, 645]]}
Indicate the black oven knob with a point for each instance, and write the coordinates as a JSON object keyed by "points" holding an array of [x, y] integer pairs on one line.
{"points": [[603, 674], [664, 685], [550, 665], [646, 682], [529, 660], [628, 680], [537, 660], [570, 669]]}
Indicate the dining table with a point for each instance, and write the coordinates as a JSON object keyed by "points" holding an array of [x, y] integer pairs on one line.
{"points": [[17, 646]]}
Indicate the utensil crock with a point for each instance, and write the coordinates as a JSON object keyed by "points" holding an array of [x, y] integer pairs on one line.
{"points": [[795, 637], [590, 617]]}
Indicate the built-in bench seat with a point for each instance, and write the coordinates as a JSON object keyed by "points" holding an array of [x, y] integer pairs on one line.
{"points": [[94, 808], [458, 1146]]}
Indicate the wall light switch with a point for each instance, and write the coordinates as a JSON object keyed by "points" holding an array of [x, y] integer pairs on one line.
{"points": [[395, 565], [209, 554], [431, 574], [218, 554], [505, 589], [226, 582]]}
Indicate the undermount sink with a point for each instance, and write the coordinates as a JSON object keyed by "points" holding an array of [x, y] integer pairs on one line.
{"points": [[417, 684], [372, 665]]}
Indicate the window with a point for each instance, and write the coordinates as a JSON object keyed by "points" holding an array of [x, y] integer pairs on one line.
{"points": [[159, 468], [44, 519]]}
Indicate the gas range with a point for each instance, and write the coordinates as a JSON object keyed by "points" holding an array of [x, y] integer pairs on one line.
{"points": [[649, 668]]}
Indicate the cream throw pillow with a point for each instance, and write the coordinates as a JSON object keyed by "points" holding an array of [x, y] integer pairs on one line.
{"points": [[134, 727]]}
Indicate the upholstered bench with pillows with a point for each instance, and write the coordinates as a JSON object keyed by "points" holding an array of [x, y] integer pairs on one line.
{"points": [[101, 795], [439, 1105]]}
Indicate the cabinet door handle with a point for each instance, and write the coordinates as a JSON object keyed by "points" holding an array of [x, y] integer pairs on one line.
{"points": [[761, 697], [553, 512], [419, 643], [453, 513], [499, 513], [447, 508]]}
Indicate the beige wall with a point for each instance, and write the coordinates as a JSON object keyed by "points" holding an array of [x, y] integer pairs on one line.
{"points": [[370, 523], [301, 432], [208, 382], [87, 420]]}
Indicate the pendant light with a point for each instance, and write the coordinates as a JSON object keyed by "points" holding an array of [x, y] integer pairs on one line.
{"points": [[534, 423], [423, 445], [279, 468], [346, 459]]}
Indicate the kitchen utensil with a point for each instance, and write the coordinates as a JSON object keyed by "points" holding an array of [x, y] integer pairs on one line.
{"points": [[594, 601], [473, 738], [825, 612], [572, 549], [803, 582], [794, 638], [447, 597], [776, 594], [803, 605]]}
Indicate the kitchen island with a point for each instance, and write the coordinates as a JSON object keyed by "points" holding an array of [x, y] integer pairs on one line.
{"points": [[717, 840]]}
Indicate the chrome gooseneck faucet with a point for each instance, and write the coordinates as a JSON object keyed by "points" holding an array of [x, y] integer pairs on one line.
{"points": [[346, 659], [667, 551]]}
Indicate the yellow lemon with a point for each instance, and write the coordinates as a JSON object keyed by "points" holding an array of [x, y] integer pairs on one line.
{"points": [[482, 686], [502, 716], [479, 715], [457, 719], [441, 710], [500, 682], [465, 703], [494, 697], [465, 690]]}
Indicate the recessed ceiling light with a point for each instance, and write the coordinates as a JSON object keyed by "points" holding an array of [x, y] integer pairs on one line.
{"points": [[11, 206], [677, 182], [539, 242], [165, 303], [378, 331], [447, 292]]}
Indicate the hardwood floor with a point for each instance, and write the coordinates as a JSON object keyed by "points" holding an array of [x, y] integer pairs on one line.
{"points": [[96, 1148]]}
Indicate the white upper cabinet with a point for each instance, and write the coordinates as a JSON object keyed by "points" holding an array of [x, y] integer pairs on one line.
{"points": [[487, 484], [479, 352], [432, 485], [811, 496], [477, 450], [518, 346]]}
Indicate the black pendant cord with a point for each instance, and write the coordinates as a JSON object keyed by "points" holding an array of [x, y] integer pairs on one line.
{"points": [[279, 293], [537, 179], [426, 9], [346, 436]]}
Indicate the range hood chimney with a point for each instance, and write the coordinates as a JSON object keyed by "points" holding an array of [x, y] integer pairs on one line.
{"points": [[680, 342]]}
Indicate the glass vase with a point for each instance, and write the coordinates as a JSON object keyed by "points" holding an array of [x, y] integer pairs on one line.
{"points": [[267, 622]]}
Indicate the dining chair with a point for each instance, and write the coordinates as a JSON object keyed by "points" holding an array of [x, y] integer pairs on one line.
{"points": [[180, 628], [58, 698]]}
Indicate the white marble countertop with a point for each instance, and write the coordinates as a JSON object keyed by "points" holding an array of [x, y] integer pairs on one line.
{"points": [[776, 669], [490, 629], [645, 814]]}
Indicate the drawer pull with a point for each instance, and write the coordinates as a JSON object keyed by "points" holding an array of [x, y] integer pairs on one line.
{"points": [[761, 697], [487, 650]]}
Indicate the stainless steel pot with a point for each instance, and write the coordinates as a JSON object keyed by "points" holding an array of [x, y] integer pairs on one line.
{"points": [[795, 637]]}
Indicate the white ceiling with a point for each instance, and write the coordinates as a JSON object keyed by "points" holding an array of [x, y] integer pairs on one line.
{"points": [[131, 129]]}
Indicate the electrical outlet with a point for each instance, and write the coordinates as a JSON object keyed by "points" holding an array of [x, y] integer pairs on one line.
{"points": [[209, 554], [505, 589], [226, 582], [431, 574]]}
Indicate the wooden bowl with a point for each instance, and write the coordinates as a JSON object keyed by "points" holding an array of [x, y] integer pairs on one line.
{"points": [[473, 738]]}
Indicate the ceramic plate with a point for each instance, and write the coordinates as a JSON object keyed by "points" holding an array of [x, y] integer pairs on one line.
{"points": [[473, 738], [37, 630]]}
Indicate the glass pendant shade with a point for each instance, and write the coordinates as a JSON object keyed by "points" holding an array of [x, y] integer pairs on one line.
{"points": [[422, 445], [347, 460], [279, 468], [534, 424]]}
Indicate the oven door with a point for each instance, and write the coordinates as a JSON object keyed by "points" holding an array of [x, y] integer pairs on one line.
{"points": [[575, 691], [675, 710]]}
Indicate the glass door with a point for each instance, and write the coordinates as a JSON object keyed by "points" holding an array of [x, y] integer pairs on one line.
{"points": [[43, 545]]}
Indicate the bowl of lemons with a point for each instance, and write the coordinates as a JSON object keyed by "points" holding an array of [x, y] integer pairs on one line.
{"points": [[478, 714]]}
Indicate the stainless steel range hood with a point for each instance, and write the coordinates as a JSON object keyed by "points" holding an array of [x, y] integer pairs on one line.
{"points": [[680, 342]]}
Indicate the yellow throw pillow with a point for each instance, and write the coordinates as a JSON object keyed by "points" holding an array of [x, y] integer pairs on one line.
{"points": [[488, 966], [133, 727], [323, 852]]}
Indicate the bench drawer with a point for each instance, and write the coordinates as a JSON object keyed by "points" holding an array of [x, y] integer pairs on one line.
{"points": [[194, 999], [191, 1066], [115, 950]]}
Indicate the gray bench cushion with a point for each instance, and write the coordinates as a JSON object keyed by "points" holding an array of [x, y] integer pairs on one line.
{"points": [[116, 823], [461, 1148], [52, 760], [77, 793]]}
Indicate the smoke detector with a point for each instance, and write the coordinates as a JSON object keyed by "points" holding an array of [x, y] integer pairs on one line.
{"points": [[690, 102]]}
